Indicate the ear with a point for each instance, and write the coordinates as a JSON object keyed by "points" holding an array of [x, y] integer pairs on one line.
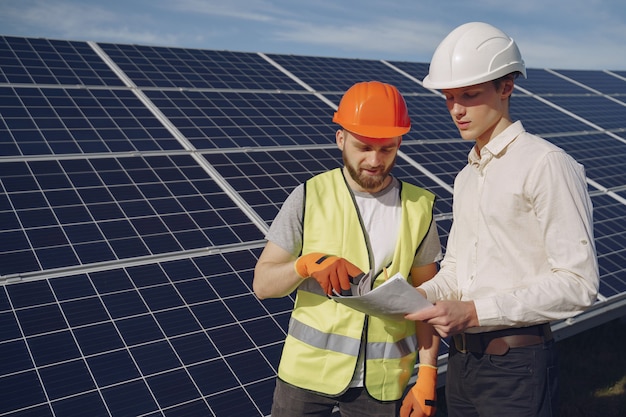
{"points": [[340, 138], [508, 84]]}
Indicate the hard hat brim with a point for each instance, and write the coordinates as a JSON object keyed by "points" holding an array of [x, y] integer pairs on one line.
{"points": [[378, 132], [428, 82]]}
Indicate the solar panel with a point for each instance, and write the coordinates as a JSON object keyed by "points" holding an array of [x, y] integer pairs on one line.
{"points": [[213, 119], [45, 121], [546, 120], [609, 228], [142, 340], [544, 82], [603, 161], [82, 211], [43, 61], [605, 113], [138, 183], [604, 82], [427, 124], [338, 74], [193, 68]]}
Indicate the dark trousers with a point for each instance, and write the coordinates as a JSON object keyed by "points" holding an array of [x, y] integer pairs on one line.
{"points": [[290, 401], [521, 383]]}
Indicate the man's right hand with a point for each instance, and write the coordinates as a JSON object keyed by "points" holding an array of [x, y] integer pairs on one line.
{"points": [[332, 272], [448, 317]]}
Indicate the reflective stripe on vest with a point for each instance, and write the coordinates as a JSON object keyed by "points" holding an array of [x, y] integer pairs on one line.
{"points": [[318, 339], [349, 346]]}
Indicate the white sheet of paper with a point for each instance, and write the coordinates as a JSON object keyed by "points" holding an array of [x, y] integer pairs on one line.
{"points": [[392, 299]]}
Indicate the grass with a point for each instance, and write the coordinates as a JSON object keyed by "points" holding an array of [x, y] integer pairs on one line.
{"points": [[592, 367], [593, 372]]}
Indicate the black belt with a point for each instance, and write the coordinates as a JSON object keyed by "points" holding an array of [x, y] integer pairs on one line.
{"points": [[500, 341]]}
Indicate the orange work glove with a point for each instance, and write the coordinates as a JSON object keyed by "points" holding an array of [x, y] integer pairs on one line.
{"points": [[332, 272], [421, 400]]}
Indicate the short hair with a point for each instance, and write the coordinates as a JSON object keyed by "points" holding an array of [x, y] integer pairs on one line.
{"points": [[512, 75]]}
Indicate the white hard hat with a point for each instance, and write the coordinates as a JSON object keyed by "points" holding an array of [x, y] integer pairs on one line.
{"points": [[473, 53]]}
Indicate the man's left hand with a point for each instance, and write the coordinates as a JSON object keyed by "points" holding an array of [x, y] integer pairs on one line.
{"points": [[421, 400]]}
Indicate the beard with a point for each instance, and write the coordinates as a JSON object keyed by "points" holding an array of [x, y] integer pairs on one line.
{"points": [[367, 182]]}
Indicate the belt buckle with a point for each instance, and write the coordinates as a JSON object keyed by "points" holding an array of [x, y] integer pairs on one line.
{"points": [[460, 342]]}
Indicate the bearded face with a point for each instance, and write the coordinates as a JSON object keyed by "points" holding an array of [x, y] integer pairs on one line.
{"points": [[367, 161], [370, 178]]}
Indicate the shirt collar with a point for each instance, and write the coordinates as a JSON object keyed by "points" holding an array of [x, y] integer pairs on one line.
{"points": [[498, 144]]}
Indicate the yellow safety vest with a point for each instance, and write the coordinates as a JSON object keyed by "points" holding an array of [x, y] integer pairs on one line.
{"points": [[324, 339]]}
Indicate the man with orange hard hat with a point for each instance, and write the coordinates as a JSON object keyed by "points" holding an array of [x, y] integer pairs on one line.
{"points": [[330, 231]]}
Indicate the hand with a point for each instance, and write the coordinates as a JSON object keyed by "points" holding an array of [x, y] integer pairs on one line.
{"points": [[421, 400], [332, 272], [448, 317]]}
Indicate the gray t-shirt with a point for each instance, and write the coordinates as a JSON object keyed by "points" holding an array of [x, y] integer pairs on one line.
{"points": [[381, 213]]}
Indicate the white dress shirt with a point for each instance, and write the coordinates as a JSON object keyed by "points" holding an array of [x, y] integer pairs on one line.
{"points": [[521, 244]]}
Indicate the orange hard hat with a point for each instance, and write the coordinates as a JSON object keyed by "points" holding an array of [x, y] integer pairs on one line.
{"points": [[373, 109]]}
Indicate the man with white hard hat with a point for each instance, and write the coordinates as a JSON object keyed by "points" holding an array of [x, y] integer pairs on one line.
{"points": [[520, 253]]}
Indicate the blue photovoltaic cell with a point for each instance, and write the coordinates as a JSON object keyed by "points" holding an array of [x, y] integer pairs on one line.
{"points": [[541, 119], [610, 237], [246, 119], [542, 82], [599, 110], [43, 121], [602, 155], [218, 365], [77, 212], [417, 70], [338, 74], [43, 61], [408, 172], [598, 80], [127, 254], [444, 159], [164, 67], [265, 178], [429, 118]]}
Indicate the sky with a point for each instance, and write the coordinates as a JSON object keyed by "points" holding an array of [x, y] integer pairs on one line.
{"points": [[555, 34]]}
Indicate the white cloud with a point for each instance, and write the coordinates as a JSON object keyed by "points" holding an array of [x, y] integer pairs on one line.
{"points": [[81, 21], [250, 10], [576, 34], [388, 35]]}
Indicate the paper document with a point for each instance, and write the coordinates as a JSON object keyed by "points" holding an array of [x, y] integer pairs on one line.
{"points": [[392, 299]]}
